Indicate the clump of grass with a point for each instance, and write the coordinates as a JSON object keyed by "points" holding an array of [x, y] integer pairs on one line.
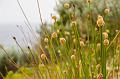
{"points": [[65, 52]]}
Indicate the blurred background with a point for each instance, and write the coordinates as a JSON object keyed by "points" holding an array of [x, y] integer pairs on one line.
{"points": [[11, 16]]}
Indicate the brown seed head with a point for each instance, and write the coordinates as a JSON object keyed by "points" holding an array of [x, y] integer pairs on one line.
{"points": [[105, 35], [106, 42], [43, 56], [100, 76], [100, 21], [89, 1], [54, 35], [54, 18], [73, 23], [62, 41], [46, 40], [66, 5], [82, 44], [107, 11]]}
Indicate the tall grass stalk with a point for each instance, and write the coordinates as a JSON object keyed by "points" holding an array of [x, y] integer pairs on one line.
{"points": [[102, 54]]}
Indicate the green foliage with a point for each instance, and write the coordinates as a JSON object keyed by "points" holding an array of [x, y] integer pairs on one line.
{"points": [[75, 46], [12, 75]]}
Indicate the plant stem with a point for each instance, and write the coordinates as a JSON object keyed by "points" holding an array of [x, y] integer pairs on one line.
{"points": [[103, 55]]}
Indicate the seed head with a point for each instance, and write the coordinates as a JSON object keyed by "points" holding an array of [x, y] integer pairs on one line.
{"points": [[100, 21], [98, 66], [89, 1], [62, 41], [54, 35], [107, 11], [66, 5], [43, 56], [46, 40], [74, 50], [100, 76], [82, 44], [14, 37], [73, 23], [105, 34], [54, 18], [106, 42], [116, 31], [28, 47], [73, 17]]}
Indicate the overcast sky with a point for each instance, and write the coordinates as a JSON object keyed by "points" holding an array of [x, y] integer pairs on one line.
{"points": [[11, 15]]}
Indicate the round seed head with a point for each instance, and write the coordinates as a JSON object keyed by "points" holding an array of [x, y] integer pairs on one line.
{"points": [[62, 41], [89, 1], [46, 40], [54, 35], [54, 18], [43, 56], [105, 35], [66, 5], [100, 21], [107, 11], [106, 42], [73, 23]]}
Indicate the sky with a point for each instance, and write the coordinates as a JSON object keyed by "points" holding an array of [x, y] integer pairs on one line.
{"points": [[10, 11], [11, 15]]}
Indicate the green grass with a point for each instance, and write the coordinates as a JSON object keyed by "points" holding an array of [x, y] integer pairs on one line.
{"points": [[67, 51]]}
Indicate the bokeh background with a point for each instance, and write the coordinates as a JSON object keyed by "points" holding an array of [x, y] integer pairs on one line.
{"points": [[11, 15]]}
